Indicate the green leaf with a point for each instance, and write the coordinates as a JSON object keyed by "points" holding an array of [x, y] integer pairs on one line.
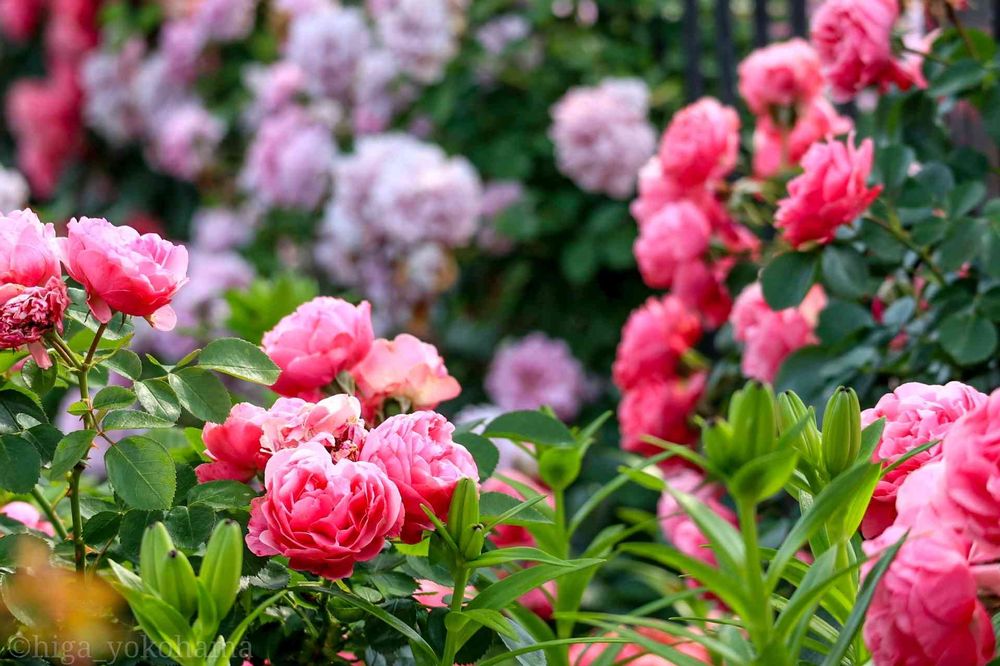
{"points": [[102, 527], [495, 558], [126, 363], [239, 359], [38, 380], [201, 393], [45, 438], [968, 338], [893, 164], [157, 398], [14, 406], [764, 476], [530, 426], [190, 526], [493, 505], [491, 619], [142, 473], [965, 197], [20, 464], [787, 278], [113, 397], [70, 450], [957, 77], [129, 419], [845, 271], [483, 451], [221, 495], [726, 541]]}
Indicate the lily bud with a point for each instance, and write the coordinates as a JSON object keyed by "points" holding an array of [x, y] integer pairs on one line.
{"points": [[221, 567], [717, 437], [156, 543], [752, 417], [464, 510], [178, 586], [791, 412], [841, 443]]}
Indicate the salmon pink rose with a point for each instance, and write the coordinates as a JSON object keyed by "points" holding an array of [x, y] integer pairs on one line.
{"points": [[702, 288], [780, 76], [701, 143], [659, 407], [405, 368], [28, 251], [653, 339], [234, 446], [334, 422], [416, 451], [323, 516], [27, 515], [678, 234], [122, 270], [775, 149], [314, 344]]}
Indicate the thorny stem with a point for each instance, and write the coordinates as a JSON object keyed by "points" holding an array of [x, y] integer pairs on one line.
{"points": [[900, 235], [49, 512]]}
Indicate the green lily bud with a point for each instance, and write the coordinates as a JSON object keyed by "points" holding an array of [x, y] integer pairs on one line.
{"points": [[464, 510], [156, 543], [220, 569], [841, 431], [560, 466], [472, 543], [717, 437], [178, 586], [752, 417], [791, 412]]}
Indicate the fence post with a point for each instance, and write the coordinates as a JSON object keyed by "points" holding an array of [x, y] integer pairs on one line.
{"points": [[800, 25], [691, 44], [761, 24], [727, 57]]}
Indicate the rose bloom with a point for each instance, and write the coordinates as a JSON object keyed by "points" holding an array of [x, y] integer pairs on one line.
{"points": [[661, 408], [27, 515], [914, 414], [334, 422], [315, 343], [854, 42], [121, 270], [769, 336], [508, 536], [28, 252], [653, 339], [406, 368], [322, 516], [416, 451], [701, 143], [702, 288], [678, 234], [925, 610], [585, 654], [28, 313], [774, 150], [678, 527], [234, 446], [19, 18], [782, 75]]}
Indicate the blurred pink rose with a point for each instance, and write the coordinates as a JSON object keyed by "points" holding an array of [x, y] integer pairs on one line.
{"points": [[28, 251], [769, 336], [334, 422], [508, 536], [774, 150], [660, 407], [677, 235], [28, 313], [403, 368], [28, 515], [780, 76], [678, 527], [71, 31], [19, 18], [416, 451], [702, 288], [854, 42], [701, 143], [124, 271], [314, 344], [654, 338], [831, 192], [323, 517], [925, 610], [634, 654], [234, 446], [914, 414]]}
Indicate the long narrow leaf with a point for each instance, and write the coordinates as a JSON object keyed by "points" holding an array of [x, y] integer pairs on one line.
{"points": [[909, 454], [726, 541]]}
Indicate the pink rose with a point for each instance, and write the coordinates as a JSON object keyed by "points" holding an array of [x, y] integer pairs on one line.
{"points": [[678, 527], [586, 654], [831, 192], [416, 451], [702, 288], [854, 42], [27, 515], [323, 516], [404, 368], [925, 610], [701, 144], [19, 18], [334, 422], [914, 414], [678, 234], [507, 536], [780, 76], [659, 407], [775, 150], [28, 313], [317, 342], [27, 250], [769, 336], [653, 339], [121, 270], [234, 446]]}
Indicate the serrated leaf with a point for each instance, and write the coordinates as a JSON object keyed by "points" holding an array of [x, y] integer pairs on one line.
{"points": [[38, 380], [968, 338], [20, 464], [126, 363], [113, 397], [190, 526], [483, 451], [221, 495], [240, 359], [128, 419], [787, 278], [142, 473], [201, 393], [70, 450], [14, 404], [530, 426], [102, 527], [157, 398]]}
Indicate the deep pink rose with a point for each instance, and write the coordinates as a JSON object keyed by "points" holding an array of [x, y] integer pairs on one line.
{"points": [[323, 516], [702, 288], [832, 191], [404, 368], [653, 339], [334, 422], [19, 18], [775, 150], [780, 76], [234, 446], [678, 527], [854, 42], [914, 414], [769, 336], [317, 342], [122, 270], [925, 611], [662, 408], [677, 235], [416, 451], [27, 515], [701, 143], [28, 313]]}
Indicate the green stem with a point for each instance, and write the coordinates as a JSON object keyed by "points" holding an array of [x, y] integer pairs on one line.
{"points": [[79, 550], [758, 627], [457, 598], [953, 17], [900, 235], [49, 512]]}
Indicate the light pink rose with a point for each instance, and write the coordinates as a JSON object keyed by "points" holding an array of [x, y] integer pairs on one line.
{"points": [[677, 235], [334, 422], [234, 446], [653, 339], [780, 76], [854, 42], [28, 515], [323, 517], [660, 407], [121, 270], [925, 611], [701, 143], [769, 336], [321, 339], [416, 451], [832, 191], [406, 368], [775, 150], [27, 250], [914, 414], [28, 313]]}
